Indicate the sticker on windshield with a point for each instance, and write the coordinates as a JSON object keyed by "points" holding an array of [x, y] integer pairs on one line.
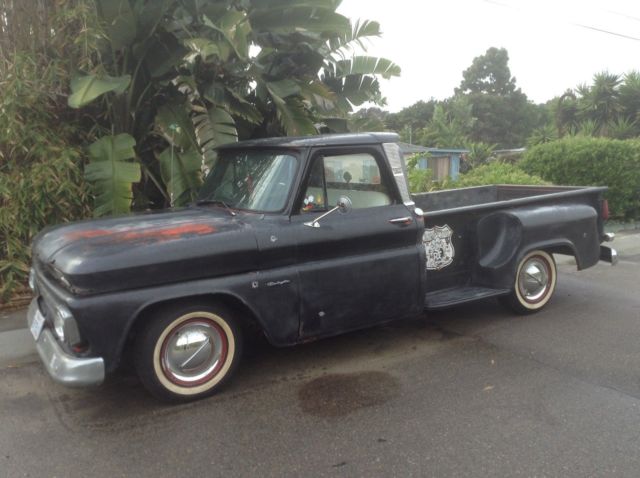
{"points": [[438, 246]]}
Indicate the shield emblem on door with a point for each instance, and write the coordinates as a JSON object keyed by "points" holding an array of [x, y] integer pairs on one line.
{"points": [[438, 246]]}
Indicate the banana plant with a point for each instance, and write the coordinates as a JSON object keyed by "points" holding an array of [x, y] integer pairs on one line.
{"points": [[183, 77], [112, 173]]}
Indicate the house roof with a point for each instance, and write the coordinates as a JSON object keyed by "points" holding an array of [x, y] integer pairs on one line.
{"points": [[407, 148]]}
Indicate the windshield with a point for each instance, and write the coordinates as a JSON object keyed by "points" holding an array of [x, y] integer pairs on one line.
{"points": [[253, 180]]}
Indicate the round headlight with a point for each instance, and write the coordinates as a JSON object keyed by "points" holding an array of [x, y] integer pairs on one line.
{"points": [[58, 326], [60, 318]]}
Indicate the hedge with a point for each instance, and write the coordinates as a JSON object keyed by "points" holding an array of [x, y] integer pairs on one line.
{"points": [[496, 172], [586, 161]]}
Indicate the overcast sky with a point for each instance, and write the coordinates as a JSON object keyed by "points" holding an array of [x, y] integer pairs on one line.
{"points": [[552, 45]]}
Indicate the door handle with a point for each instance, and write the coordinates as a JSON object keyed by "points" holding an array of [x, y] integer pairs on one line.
{"points": [[401, 221]]}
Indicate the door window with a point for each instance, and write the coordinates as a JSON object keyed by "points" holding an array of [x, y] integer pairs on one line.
{"points": [[356, 176]]}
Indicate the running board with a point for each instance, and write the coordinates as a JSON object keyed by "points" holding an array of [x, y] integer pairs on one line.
{"points": [[439, 299]]}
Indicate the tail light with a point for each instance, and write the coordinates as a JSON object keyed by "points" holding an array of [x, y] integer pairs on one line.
{"points": [[605, 209]]}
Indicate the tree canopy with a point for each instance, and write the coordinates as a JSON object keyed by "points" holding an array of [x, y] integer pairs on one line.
{"points": [[487, 107], [488, 73]]}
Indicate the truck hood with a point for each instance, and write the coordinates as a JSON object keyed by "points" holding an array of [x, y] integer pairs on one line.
{"points": [[147, 249]]}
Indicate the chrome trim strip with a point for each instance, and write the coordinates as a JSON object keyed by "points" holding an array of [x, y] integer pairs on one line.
{"points": [[62, 367], [396, 162], [401, 220]]}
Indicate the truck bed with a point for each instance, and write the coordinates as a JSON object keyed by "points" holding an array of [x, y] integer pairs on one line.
{"points": [[458, 213], [494, 197]]}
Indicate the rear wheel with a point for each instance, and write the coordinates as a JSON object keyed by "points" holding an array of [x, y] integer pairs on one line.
{"points": [[188, 352], [535, 283]]}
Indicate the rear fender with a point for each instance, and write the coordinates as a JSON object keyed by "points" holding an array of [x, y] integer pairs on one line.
{"points": [[505, 237]]}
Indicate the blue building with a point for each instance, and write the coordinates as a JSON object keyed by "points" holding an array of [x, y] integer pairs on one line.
{"points": [[442, 162]]}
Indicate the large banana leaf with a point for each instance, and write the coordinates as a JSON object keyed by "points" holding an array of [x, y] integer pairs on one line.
{"points": [[299, 17], [319, 95], [234, 27], [360, 30], [293, 117], [354, 90], [175, 124], [160, 53], [85, 89], [203, 47], [119, 21], [240, 107], [215, 127], [182, 174], [283, 88], [337, 125], [149, 15], [112, 173], [367, 65]]}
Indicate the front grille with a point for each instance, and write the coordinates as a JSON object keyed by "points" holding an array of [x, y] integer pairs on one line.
{"points": [[46, 301], [44, 308]]}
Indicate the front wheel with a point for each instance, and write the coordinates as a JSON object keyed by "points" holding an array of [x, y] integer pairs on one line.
{"points": [[535, 282], [187, 353]]}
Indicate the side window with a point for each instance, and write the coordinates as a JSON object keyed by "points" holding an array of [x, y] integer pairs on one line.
{"points": [[354, 175]]}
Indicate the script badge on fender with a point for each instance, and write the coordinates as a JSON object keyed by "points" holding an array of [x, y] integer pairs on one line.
{"points": [[439, 248]]}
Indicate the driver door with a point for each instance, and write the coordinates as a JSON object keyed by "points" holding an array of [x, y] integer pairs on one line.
{"points": [[359, 268]]}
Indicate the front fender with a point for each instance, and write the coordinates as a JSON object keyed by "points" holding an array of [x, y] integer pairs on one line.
{"points": [[106, 320]]}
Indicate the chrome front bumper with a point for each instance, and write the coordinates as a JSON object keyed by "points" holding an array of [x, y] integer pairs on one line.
{"points": [[63, 367]]}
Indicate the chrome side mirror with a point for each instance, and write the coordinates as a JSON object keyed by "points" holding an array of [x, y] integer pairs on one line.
{"points": [[343, 206]]}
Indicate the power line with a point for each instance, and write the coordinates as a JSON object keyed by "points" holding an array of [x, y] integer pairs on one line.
{"points": [[621, 35], [624, 15], [580, 25]]}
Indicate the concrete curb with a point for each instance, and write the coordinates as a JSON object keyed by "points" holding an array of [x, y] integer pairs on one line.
{"points": [[17, 346]]}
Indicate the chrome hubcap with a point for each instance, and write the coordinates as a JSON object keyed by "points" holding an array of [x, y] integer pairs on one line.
{"points": [[193, 352], [534, 280]]}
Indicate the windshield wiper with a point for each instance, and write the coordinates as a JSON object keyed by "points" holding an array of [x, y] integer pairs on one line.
{"points": [[201, 202]]}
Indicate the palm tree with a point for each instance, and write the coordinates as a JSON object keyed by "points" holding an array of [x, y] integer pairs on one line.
{"points": [[566, 113], [601, 103], [630, 98]]}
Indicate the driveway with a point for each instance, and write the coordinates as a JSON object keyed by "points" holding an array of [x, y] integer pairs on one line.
{"points": [[473, 391]]}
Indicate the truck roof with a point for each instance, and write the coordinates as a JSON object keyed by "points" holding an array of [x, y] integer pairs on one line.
{"points": [[318, 140]]}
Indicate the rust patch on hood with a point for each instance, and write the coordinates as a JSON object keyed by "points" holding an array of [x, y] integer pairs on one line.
{"points": [[144, 233]]}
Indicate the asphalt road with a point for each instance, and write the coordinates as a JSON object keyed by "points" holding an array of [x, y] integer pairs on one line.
{"points": [[473, 391]]}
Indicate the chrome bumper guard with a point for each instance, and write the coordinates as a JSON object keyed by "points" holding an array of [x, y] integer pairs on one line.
{"points": [[63, 367], [609, 254]]}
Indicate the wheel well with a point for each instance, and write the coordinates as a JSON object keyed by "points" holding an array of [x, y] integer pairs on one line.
{"points": [[564, 249], [245, 315], [561, 249]]}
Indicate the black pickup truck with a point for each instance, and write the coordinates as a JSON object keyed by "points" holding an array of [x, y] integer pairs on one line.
{"points": [[300, 238]]}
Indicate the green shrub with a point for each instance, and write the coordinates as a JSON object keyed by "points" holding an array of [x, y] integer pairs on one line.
{"points": [[496, 173], [420, 180], [584, 161]]}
